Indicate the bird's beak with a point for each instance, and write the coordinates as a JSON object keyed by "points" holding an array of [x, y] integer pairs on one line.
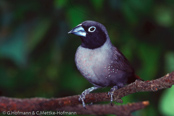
{"points": [[79, 31]]}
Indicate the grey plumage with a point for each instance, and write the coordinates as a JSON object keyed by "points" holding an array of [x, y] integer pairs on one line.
{"points": [[99, 66], [99, 61]]}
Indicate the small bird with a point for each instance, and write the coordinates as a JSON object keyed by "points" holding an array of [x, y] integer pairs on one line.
{"points": [[101, 63]]}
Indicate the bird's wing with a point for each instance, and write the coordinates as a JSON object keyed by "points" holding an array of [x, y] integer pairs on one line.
{"points": [[120, 62]]}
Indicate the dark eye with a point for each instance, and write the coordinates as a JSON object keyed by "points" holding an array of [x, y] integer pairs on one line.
{"points": [[91, 29]]}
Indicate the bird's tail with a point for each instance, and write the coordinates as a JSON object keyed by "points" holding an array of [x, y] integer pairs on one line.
{"points": [[134, 78], [137, 77]]}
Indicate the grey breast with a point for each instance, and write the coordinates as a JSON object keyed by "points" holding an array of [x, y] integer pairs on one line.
{"points": [[93, 63]]}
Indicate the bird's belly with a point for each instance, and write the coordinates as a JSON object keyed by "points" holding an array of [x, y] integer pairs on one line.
{"points": [[85, 65], [93, 67]]}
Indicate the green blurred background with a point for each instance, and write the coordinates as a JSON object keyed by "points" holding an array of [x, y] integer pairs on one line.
{"points": [[37, 54]]}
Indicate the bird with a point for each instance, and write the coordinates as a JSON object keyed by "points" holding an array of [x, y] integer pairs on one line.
{"points": [[99, 61]]}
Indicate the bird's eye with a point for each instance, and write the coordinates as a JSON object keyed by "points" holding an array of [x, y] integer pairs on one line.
{"points": [[91, 29]]}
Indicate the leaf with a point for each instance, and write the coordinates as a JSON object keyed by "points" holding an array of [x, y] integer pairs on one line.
{"points": [[37, 33], [141, 6], [14, 47], [60, 3], [76, 15], [74, 81], [166, 104], [97, 4], [164, 16], [129, 14], [149, 55], [169, 62], [133, 9]]}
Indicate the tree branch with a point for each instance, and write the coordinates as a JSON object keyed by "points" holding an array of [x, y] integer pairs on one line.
{"points": [[37, 105], [138, 86], [66, 103], [119, 110]]}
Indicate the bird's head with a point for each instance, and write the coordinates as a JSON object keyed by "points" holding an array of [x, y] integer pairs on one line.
{"points": [[92, 34]]}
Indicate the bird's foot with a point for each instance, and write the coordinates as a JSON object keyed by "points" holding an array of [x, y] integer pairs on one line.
{"points": [[84, 93], [111, 92], [82, 97]]}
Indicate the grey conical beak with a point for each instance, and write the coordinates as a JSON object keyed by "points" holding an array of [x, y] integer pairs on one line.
{"points": [[79, 31]]}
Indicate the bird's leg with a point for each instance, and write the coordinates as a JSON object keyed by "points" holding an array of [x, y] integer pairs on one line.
{"points": [[111, 92], [85, 92]]}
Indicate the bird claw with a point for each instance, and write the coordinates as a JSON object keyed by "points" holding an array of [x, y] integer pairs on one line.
{"points": [[111, 93], [84, 93], [82, 98]]}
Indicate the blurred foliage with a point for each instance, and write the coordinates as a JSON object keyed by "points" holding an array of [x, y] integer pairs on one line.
{"points": [[37, 54], [167, 102]]}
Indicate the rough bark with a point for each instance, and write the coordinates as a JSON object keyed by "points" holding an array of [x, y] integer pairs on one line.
{"points": [[71, 103]]}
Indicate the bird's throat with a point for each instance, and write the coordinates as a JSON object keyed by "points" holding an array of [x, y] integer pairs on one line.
{"points": [[92, 43]]}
